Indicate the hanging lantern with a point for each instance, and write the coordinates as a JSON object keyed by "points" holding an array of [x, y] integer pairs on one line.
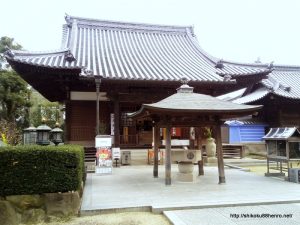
{"points": [[43, 132], [56, 135], [29, 136]]}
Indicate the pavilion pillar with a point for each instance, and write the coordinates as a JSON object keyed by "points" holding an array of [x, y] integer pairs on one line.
{"points": [[156, 140], [116, 122], [199, 145], [220, 153], [168, 156], [192, 138]]}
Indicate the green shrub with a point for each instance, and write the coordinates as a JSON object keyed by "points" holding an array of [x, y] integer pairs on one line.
{"points": [[33, 169]]}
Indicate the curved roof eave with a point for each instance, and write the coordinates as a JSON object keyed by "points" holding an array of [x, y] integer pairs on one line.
{"points": [[147, 110], [186, 101], [56, 59]]}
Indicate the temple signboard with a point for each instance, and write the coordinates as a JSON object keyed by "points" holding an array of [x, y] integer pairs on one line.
{"points": [[103, 145]]}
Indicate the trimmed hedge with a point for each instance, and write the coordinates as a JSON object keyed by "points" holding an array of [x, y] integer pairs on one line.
{"points": [[34, 169]]}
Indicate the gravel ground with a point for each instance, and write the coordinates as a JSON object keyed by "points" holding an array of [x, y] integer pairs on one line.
{"points": [[126, 218]]}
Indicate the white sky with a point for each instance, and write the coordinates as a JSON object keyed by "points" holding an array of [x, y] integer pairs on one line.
{"points": [[239, 30]]}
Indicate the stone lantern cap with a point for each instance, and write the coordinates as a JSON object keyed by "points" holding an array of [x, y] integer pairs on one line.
{"points": [[43, 127], [30, 129], [56, 130]]}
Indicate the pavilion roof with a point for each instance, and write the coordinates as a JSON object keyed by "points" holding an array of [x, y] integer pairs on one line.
{"points": [[134, 51], [186, 101]]}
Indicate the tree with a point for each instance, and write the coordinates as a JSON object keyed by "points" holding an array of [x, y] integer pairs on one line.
{"points": [[14, 94], [10, 133], [14, 97], [4, 43], [43, 111]]}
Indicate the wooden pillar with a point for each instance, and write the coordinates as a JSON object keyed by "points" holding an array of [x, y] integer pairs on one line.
{"points": [[67, 129], [168, 156], [220, 153], [199, 145], [116, 121], [97, 82], [192, 138], [156, 140], [199, 138]]}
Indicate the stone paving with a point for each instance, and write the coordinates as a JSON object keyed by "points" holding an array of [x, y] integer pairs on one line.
{"points": [[279, 214], [134, 187]]}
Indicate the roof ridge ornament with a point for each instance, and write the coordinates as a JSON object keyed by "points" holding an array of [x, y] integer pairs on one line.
{"points": [[220, 64], [86, 72], [274, 82], [227, 77], [69, 56], [271, 65], [68, 20], [8, 52], [258, 61], [184, 88]]}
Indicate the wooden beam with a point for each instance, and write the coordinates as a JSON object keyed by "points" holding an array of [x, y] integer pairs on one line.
{"points": [[116, 121], [220, 153], [162, 123], [156, 146], [142, 97], [168, 156]]}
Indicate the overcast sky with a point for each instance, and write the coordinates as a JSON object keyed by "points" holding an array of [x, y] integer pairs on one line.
{"points": [[238, 30]]}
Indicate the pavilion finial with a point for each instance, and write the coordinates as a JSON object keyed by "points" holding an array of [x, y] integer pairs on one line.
{"points": [[184, 88], [184, 80]]}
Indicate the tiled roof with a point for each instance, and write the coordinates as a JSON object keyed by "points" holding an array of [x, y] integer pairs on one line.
{"points": [[232, 95], [118, 50], [51, 59], [283, 81], [253, 96], [241, 70]]}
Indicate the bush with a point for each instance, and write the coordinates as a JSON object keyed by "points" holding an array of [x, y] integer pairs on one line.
{"points": [[33, 169]]}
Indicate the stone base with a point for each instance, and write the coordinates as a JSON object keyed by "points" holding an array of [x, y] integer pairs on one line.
{"points": [[186, 177], [211, 161], [274, 174]]}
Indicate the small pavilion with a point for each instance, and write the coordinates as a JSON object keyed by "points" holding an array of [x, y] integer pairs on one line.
{"points": [[188, 109]]}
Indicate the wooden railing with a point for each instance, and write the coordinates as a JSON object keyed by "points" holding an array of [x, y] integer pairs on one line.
{"points": [[230, 151]]}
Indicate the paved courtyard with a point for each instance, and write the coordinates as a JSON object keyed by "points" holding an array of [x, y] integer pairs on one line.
{"points": [[279, 214], [134, 187]]}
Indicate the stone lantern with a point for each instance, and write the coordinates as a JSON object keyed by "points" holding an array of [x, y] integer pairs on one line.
{"points": [[56, 135], [43, 132], [29, 135]]}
